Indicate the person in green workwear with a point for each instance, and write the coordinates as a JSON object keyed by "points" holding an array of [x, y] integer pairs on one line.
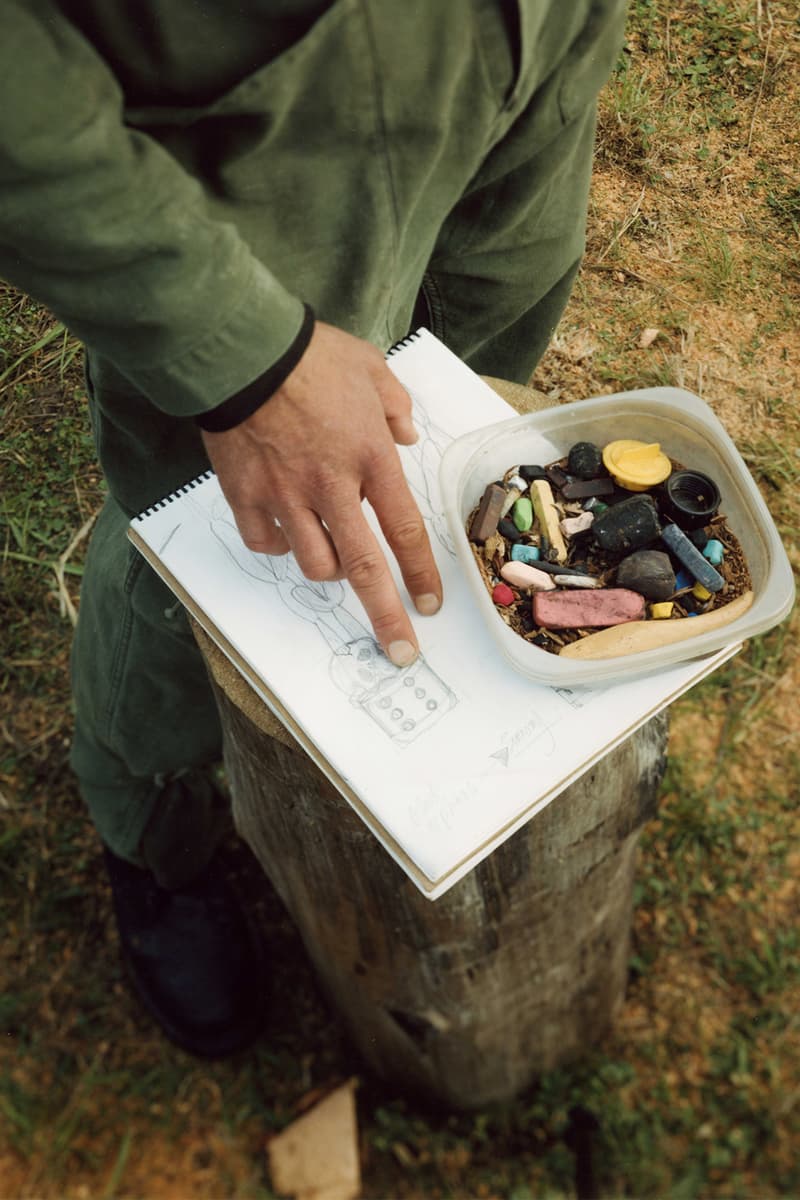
{"points": [[237, 208]]}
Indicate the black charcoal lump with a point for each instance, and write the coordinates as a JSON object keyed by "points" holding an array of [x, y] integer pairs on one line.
{"points": [[531, 472], [630, 525], [509, 530], [585, 460]]}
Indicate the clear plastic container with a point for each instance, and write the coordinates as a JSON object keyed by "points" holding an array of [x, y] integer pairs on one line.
{"points": [[689, 432]]}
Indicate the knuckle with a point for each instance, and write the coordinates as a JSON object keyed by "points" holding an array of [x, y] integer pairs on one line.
{"points": [[253, 530], [261, 543], [318, 567], [263, 546], [382, 464], [259, 532], [408, 536], [364, 569], [326, 486], [388, 622], [421, 581], [387, 628]]}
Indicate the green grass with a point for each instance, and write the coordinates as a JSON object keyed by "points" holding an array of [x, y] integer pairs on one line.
{"points": [[696, 1092]]}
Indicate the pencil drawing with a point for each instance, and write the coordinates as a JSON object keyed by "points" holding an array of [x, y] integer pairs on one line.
{"points": [[403, 702]]}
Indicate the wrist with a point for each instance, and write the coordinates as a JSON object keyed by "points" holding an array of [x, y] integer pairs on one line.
{"points": [[242, 404]]}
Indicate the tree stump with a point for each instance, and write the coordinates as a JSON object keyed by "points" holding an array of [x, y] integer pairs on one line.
{"points": [[520, 967]]}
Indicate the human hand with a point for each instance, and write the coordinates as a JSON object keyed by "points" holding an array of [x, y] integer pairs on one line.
{"points": [[295, 473]]}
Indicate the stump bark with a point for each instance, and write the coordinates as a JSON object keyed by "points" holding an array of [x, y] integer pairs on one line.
{"points": [[520, 967]]}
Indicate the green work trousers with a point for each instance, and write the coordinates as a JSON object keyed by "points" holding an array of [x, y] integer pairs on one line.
{"points": [[459, 191]]}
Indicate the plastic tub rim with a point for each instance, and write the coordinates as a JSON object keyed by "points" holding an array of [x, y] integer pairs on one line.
{"points": [[772, 602]]}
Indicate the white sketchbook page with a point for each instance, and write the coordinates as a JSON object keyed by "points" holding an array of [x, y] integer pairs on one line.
{"points": [[446, 752]]}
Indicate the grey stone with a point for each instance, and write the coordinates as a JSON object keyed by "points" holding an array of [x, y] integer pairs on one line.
{"points": [[648, 572]]}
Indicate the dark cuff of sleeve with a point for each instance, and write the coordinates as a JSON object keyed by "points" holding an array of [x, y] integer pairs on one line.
{"points": [[242, 404]]}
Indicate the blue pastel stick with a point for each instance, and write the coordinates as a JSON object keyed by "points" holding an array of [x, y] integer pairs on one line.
{"points": [[691, 558]]}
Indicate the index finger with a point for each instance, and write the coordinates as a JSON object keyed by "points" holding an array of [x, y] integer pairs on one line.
{"points": [[364, 566]]}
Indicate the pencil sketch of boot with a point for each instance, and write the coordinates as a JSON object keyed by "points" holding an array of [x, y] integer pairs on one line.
{"points": [[404, 702]]}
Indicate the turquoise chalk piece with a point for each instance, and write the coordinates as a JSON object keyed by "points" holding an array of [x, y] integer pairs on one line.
{"points": [[522, 514], [714, 551], [525, 554]]}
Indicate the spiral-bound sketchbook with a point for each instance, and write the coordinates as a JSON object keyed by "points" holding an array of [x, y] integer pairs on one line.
{"points": [[447, 758]]}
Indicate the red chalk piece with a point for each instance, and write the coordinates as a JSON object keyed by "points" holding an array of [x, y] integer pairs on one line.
{"points": [[581, 610], [502, 594]]}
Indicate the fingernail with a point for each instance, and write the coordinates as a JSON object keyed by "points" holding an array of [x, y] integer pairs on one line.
{"points": [[427, 604], [402, 654]]}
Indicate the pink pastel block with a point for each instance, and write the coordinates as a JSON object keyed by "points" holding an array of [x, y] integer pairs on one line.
{"points": [[582, 610], [520, 575]]}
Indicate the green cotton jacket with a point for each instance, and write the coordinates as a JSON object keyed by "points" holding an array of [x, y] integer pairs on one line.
{"points": [[178, 176]]}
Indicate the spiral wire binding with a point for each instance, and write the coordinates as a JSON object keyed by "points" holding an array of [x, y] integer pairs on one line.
{"points": [[406, 341], [181, 491]]}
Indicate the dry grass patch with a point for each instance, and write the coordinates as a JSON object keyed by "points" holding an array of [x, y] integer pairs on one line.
{"points": [[694, 232]]}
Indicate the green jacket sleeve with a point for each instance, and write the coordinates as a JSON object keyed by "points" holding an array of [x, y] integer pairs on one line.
{"points": [[111, 233]]}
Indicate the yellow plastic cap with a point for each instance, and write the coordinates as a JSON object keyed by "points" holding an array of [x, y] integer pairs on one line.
{"points": [[636, 466]]}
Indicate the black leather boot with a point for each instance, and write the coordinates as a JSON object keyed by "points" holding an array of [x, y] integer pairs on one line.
{"points": [[194, 960]]}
